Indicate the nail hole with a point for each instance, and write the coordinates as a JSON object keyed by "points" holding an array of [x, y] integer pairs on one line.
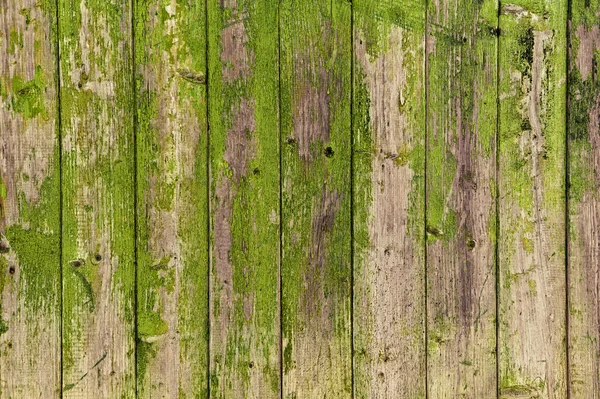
{"points": [[98, 257], [77, 263], [251, 364], [329, 152], [471, 244], [12, 270]]}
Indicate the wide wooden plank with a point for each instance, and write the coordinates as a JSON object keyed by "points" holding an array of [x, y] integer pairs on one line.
{"points": [[29, 202], [584, 201], [461, 203], [389, 178], [172, 199], [531, 246], [316, 46], [244, 199], [98, 198]]}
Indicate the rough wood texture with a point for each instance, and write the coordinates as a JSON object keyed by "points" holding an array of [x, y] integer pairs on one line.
{"points": [[172, 207], [98, 198], [461, 203], [584, 201], [532, 287], [316, 151], [29, 202], [244, 162], [389, 177]]}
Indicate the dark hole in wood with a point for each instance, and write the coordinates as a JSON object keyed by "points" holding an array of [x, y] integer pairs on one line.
{"points": [[98, 257], [329, 152], [4, 247], [256, 171], [471, 244], [77, 263], [11, 270]]}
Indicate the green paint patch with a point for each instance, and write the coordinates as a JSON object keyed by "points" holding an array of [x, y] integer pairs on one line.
{"points": [[28, 96], [37, 247], [151, 326]]}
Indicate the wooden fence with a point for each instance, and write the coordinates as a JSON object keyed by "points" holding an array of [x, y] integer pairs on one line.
{"points": [[300, 199]]}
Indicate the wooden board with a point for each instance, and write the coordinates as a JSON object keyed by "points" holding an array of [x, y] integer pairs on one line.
{"points": [[29, 201], [389, 178], [244, 199], [172, 199], [461, 203], [531, 247], [98, 239], [584, 202], [316, 226]]}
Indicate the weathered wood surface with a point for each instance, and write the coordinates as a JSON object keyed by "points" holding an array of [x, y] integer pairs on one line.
{"points": [[244, 199], [172, 199], [389, 177], [316, 226], [299, 199], [584, 201], [29, 202], [531, 241], [461, 203], [98, 237]]}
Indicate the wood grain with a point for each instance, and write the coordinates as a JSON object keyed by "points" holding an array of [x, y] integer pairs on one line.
{"points": [[244, 169], [172, 199], [461, 203], [389, 177], [584, 203], [98, 239], [29, 202], [316, 226], [532, 286]]}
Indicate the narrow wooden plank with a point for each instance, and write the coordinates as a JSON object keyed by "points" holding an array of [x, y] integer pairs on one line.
{"points": [[389, 187], [244, 199], [461, 204], [29, 202], [98, 202], [172, 199], [584, 201], [531, 247], [316, 47]]}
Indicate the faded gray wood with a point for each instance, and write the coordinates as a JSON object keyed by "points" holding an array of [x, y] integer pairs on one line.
{"points": [[29, 202], [98, 241], [531, 242], [584, 202], [461, 200], [389, 178], [316, 44], [172, 200]]}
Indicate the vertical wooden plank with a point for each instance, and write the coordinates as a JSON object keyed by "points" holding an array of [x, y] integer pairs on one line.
{"points": [[584, 201], [531, 247], [389, 177], [244, 198], [98, 202], [29, 202], [316, 152], [461, 205], [172, 208]]}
